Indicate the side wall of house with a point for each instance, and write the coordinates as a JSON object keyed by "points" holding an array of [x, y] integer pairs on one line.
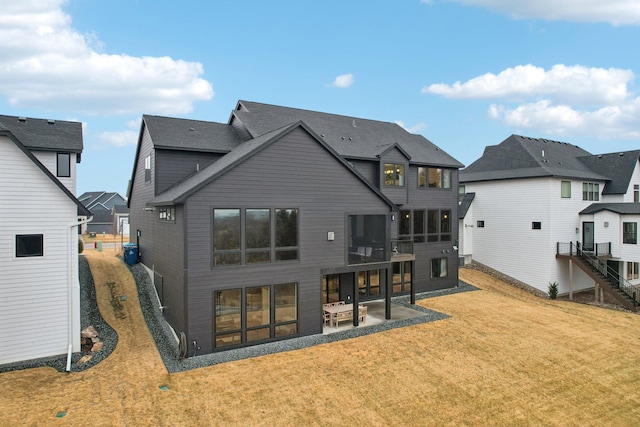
{"points": [[293, 172], [160, 243], [34, 307], [49, 160], [174, 166]]}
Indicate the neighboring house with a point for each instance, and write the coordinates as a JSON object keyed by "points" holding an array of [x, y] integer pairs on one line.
{"points": [[39, 303], [101, 204], [528, 204], [250, 226], [120, 215]]}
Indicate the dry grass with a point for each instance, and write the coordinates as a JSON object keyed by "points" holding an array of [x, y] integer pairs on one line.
{"points": [[105, 238], [503, 358]]}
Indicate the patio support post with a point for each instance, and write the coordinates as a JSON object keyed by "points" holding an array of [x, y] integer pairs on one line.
{"points": [[570, 279], [387, 294], [413, 283], [356, 298]]}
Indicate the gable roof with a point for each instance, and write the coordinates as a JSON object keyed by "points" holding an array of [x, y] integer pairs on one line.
{"points": [[181, 191], [351, 137], [190, 135], [82, 210], [525, 157], [99, 199], [619, 208], [45, 135], [618, 167]]}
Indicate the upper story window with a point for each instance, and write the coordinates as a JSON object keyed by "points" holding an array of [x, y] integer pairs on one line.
{"points": [[590, 191], [394, 175], [636, 193], [434, 177], [565, 189], [630, 232], [438, 225], [147, 168], [461, 192], [29, 245], [244, 237], [63, 165], [412, 225]]}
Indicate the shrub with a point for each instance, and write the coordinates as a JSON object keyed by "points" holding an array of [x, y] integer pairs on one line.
{"points": [[553, 290], [80, 246]]}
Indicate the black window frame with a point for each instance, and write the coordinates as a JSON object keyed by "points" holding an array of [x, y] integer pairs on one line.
{"points": [[63, 165], [439, 225], [29, 245], [398, 174], [147, 168], [536, 225], [437, 273], [167, 213], [630, 233]]}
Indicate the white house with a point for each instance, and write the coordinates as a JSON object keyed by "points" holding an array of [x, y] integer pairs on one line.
{"points": [[39, 307], [527, 202]]}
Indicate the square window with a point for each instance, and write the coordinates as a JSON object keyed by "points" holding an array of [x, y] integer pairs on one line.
{"points": [[480, 224], [536, 225], [29, 245], [393, 175]]}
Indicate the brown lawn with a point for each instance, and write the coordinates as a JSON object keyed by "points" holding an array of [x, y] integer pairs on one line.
{"points": [[503, 358]]}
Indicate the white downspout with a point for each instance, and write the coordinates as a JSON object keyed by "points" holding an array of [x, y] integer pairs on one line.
{"points": [[70, 290]]}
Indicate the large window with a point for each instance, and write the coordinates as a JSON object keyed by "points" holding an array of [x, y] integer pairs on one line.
{"points": [[401, 276], [630, 232], [565, 189], [412, 225], [29, 245], [258, 235], [286, 234], [394, 174], [367, 238], [434, 177], [245, 237], [438, 225], [226, 236], [255, 314], [369, 283], [590, 191], [63, 165], [439, 267]]}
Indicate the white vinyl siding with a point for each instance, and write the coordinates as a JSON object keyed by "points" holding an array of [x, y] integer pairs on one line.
{"points": [[34, 305], [49, 160]]}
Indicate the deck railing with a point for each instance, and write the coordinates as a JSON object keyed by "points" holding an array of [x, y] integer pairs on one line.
{"points": [[575, 248], [401, 247]]}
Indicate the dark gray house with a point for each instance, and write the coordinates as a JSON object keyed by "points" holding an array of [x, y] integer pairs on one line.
{"points": [[101, 204], [250, 226]]}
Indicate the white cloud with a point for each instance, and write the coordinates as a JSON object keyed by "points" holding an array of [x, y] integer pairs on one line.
{"points": [[419, 127], [47, 64], [124, 138], [342, 81], [565, 100], [578, 84], [616, 12]]}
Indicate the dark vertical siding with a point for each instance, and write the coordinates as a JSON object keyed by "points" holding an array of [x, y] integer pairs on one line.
{"points": [[161, 243], [174, 166], [293, 172]]}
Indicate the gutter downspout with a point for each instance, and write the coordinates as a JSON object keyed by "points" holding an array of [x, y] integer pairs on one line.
{"points": [[70, 290]]}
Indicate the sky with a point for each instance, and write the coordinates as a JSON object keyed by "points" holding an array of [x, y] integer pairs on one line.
{"points": [[465, 74]]}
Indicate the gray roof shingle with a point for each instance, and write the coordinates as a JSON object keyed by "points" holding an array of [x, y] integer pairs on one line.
{"points": [[45, 135], [190, 135], [525, 157], [351, 137], [617, 166], [619, 208]]}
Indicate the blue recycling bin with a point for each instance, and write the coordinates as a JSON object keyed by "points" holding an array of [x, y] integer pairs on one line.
{"points": [[130, 253]]}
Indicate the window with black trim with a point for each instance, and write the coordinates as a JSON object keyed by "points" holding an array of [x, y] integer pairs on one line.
{"points": [[63, 165], [286, 234], [254, 314], [438, 225], [632, 270], [636, 193], [412, 225], [258, 235], [147, 168], [394, 175], [480, 224], [439, 268], [226, 237], [536, 225], [630, 233], [29, 245], [434, 177]]}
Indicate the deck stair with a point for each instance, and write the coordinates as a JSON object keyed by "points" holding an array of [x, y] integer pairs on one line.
{"points": [[616, 287]]}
